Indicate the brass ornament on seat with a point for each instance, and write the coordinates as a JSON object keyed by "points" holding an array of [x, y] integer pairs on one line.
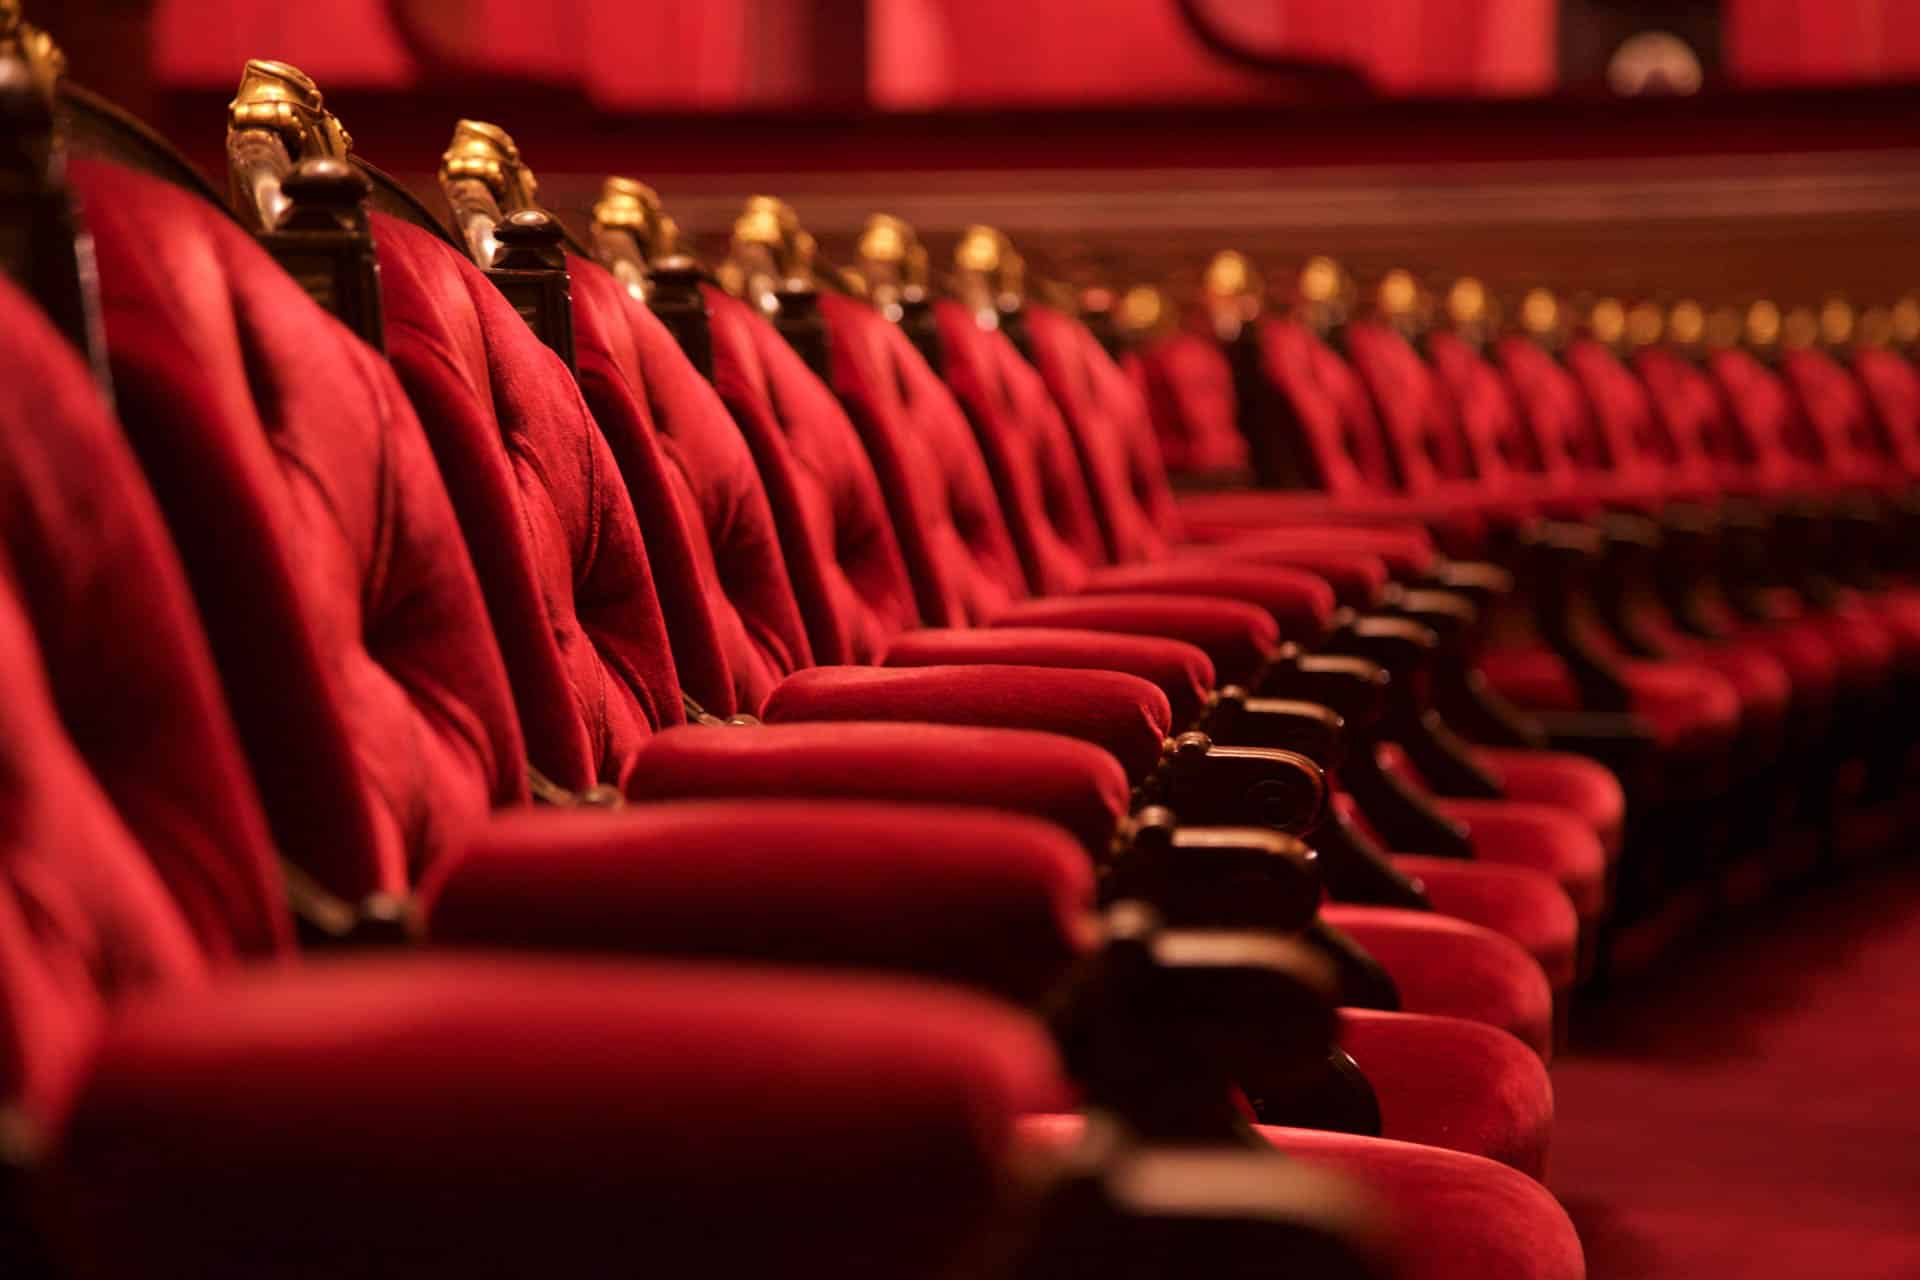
{"points": [[1645, 325], [1837, 322], [893, 265], [1687, 323], [1760, 328], [42, 59], [989, 275], [1607, 321], [1539, 314], [634, 238]]}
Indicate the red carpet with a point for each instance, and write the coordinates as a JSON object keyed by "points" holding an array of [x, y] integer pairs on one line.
{"points": [[1757, 1112]]}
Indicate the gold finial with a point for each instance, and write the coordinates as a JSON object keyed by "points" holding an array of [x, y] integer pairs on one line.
{"points": [[763, 222], [44, 61], [1467, 301], [1141, 311], [1229, 275], [980, 250], [1539, 312], [1836, 322], [1322, 280], [1906, 320], [485, 153], [1398, 293], [627, 205], [1607, 320], [1687, 322], [886, 239], [1799, 328], [893, 263], [281, 98], [1644, 324], [1762, 325]]}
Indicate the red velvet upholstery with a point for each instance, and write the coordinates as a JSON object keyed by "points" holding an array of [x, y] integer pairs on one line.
{"points": [[1074, 784], [1182, 672], [540, 500], [85, 920], [1188, 387], [1689, 707], [479, 1116], [376, 715], [1450, 967], [1459, 1217], [1237, 637], [1516, 902], [840, 546], [1541, 838], [1447, 1082], [994, 901], [1892, 387], [1123, 715], [709, 530], [1564, 781], [945, 512], [84, 548]]}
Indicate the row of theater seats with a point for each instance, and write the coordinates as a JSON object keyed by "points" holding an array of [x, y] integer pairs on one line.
{"points": [[578, 760]]}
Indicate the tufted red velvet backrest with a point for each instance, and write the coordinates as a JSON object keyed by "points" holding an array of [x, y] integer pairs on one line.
{"points": [[1834, 405], [544, 510], [322, 553], [132, 853], [710, 535], [1622, 410], [1892, 387], [92, 565], [1415, 414], [1566, 437], [1330, 408], [1770, 434], [1491, 434], [945, 511], [84, 918], [1188, 385], [848, 573], [1028, 450], [1112, 434], [1691, 413]]}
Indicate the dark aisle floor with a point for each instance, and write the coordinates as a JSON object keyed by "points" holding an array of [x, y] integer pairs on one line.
{"points": [[1756, 1113]]}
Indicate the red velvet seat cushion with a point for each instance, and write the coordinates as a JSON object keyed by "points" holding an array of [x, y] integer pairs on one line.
{"points": [[1123, 715], [1450, 967], [1585, 788], [1447, 1082], [1356, 577], [991, 900], [1515, 902], [1074, 784], [1214, 517], [1455, 1216], [1690, 708], [1302, 603], [1461, 1217], [1237, 636], [1181, 671], [1549, 840], [472, 1115]]}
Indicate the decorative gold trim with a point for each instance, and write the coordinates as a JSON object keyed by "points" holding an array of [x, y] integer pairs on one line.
{"points": [[486, 153], [281, 98]]}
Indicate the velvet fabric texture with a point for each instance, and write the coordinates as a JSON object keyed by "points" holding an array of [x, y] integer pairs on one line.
{"points": [[325, 562], [1188, 386], [1459, 1085], [1071, 783], [711, 540], [1123, 715], [84, 548], [1457, 1216], [1183, 673], [1455, 969], [1237, 637], [1517, 902], [993, 901], [381, 1093]]}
